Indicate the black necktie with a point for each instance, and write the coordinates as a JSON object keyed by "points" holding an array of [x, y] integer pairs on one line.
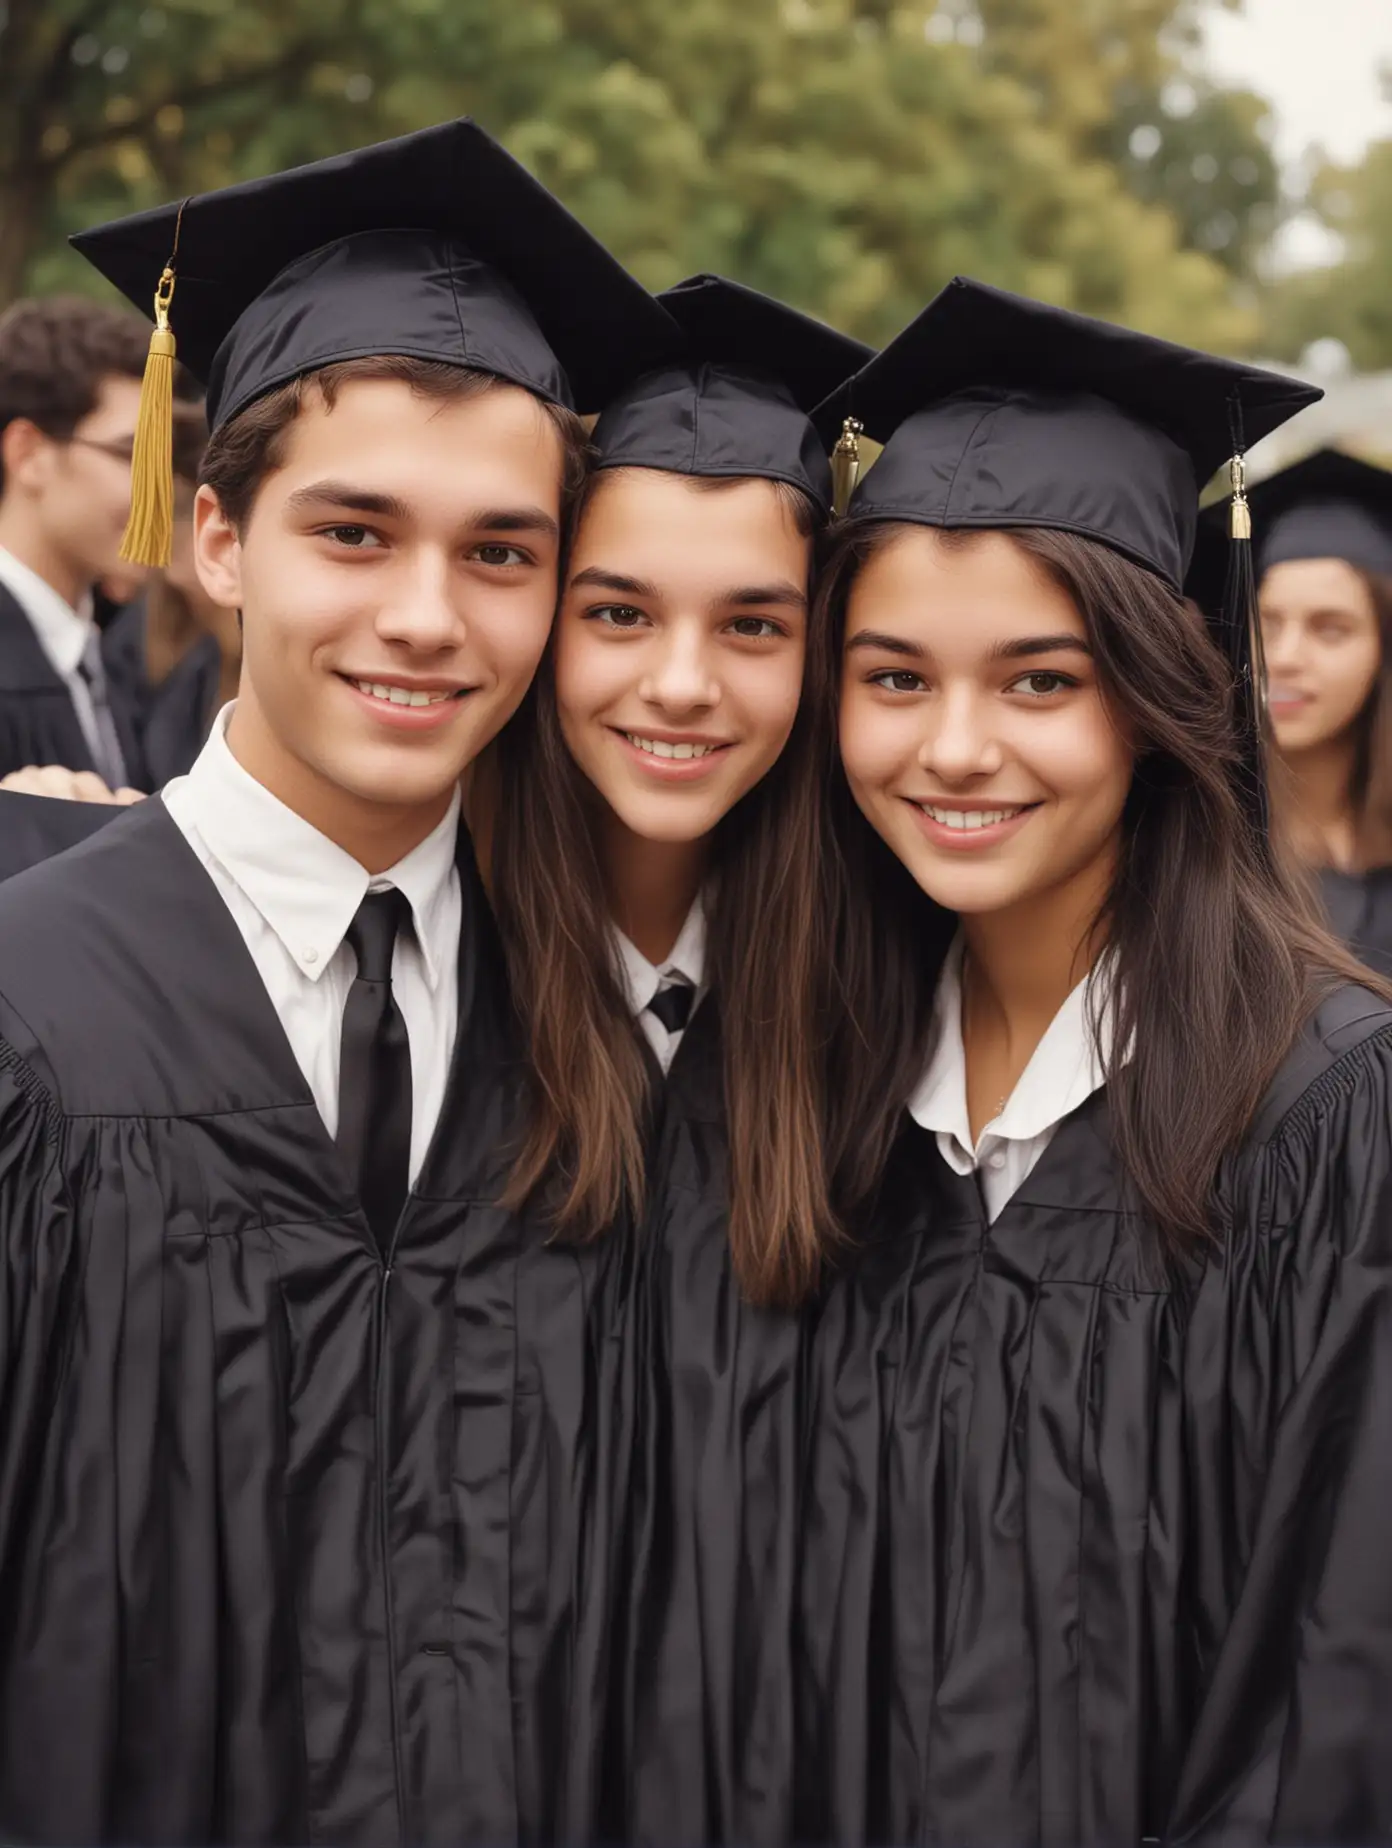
{"points": [[374, 1074], [672, 1006]]}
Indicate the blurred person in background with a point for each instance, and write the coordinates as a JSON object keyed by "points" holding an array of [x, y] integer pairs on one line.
{"points": [[1324, 528], [177, 651], [70, 373]]}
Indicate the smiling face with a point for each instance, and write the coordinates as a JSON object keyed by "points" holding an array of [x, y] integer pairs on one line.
{"points": [[1323, 650], [680, 645], [973, 729], [397, 577]]}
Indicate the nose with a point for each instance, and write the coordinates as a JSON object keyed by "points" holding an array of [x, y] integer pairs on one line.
{"points": [[959, 742], [421, 607], [679, 677], [1282, 646]]}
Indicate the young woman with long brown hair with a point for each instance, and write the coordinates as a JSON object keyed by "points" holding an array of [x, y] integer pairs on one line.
{"points": [[657, 863], [1324, 543], [1100, 1471]]}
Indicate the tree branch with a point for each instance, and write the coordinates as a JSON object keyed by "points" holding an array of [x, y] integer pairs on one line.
{"points": [[227, 84]]}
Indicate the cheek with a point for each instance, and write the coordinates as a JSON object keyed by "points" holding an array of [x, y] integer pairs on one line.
{"points": [[592, 673], [876, 741], [1081, 754], [1352, 675], [767, 695]]}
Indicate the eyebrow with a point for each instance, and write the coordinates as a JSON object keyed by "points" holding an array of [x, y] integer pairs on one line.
{"points": [[600, 579], [343, 494], [783, 595], [1026, 645], [885, 644]]}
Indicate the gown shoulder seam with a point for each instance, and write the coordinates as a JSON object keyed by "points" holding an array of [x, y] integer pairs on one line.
{"points": [[29, 1082], [1335, 1081]]}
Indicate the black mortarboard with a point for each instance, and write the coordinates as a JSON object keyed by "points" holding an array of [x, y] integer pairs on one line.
{"points": [[1329, 505], [998, 411], [736, 400], [435, 246]]}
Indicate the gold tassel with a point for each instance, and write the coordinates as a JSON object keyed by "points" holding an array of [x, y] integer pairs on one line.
{"points": [[1240, 523], [149, 537], [845, 464]]}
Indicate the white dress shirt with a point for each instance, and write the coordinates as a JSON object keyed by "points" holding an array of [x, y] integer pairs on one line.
{"points": [[1064, 1071], [292, 893], [643, 979], [62, 632]]}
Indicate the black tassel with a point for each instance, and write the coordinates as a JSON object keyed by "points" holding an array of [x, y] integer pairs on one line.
{"points": [[1241, 638]]}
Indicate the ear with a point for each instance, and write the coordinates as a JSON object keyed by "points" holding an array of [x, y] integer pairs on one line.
{"points": [[217, 551], [26, 454]]}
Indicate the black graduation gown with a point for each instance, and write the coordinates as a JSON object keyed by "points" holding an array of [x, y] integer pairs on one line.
{"points": [[678, 1725], [35, 828], [1359, 906], [1094, 1554], [267, 1573], [38, 721]]}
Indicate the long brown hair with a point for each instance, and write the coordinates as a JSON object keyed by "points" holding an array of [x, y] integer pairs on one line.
{"points": [[1370, 785], [584, 1149], [1218, 956]]}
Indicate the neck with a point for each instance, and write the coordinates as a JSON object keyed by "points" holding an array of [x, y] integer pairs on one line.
{"points": [[1319, 801], [376, 834], [650, 885], [18, 538], [1025, 961]]}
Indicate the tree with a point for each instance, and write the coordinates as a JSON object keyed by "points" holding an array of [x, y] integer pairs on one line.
{"points": [[850, 155], [1349, 301]]}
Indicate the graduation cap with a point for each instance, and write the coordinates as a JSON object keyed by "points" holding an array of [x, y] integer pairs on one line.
{"points": [[1329, 505], [736, 400], [997, 411], [436, 246]]}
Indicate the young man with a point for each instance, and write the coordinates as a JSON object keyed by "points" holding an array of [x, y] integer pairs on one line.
{"points": [[258, 1325], [70, 373]]}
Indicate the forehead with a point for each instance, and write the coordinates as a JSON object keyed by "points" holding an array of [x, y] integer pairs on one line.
{"points": [[1298, 585], [378, 432], [664, 527], [961, 590]]}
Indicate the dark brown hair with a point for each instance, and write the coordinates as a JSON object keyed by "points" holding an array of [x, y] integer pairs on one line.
{"points": [[55, 355], [1218, 957], [251, 445], [583, 1154]]}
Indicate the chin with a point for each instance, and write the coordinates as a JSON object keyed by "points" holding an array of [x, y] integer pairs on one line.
{"points": [[670, 822]]}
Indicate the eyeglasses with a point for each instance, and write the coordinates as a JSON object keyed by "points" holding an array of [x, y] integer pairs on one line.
{"points": [[119, 452]]}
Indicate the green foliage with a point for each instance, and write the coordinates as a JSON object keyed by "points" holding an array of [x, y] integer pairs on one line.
{"points": [[849, 155], [1350, 301]]}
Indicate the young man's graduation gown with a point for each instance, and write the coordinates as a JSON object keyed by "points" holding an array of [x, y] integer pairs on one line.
{"points": [[35, 828], [257, 1511], [1094, 1552], [38, 721]]}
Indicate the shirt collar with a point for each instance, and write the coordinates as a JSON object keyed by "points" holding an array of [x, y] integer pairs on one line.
{"points": [[305, 886], [1066, 1067], [687, 961], [63, 632]]}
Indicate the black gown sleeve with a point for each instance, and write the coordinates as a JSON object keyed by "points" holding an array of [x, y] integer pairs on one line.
{"points": [[1291, 1738], [35, 828]]}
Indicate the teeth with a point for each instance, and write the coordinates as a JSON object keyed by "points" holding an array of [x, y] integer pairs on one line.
{"points": [[659, 747], [964, 820], [400, 696]]}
